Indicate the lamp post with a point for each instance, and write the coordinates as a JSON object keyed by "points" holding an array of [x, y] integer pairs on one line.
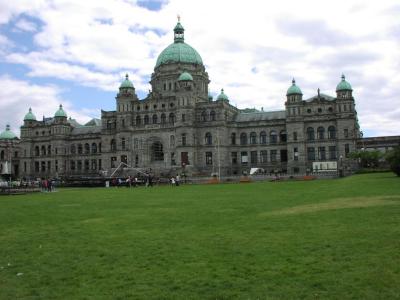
{"points": [[341, 166]]}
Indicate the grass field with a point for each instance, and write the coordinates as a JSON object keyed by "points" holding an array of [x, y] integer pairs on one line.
{"points": [[336, 239]]}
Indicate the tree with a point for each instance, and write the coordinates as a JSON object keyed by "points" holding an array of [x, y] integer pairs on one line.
{"points": [[367, 159], [393, 158]]}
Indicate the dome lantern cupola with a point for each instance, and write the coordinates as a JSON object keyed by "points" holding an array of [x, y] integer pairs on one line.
{"points": [[222, 96], [8, 134], [294, 93], [179, 32], [126, 84], [30, 116], [60, 113]]}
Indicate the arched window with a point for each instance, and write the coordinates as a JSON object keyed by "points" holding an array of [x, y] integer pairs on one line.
{"points": [[233, 138], [172, 141], [123, 143], [208, 138], [99, 147], [310, 134], [163, 119], [138, 120], [80, 149], [49, 150], [73, 149], [2, 155], [321, 133], [243, 138], [203, 116], [155, 119], [157, 153], [113, 145], [283, 136], [331, 132], [94, 148], [263, 137], [146, 120], [87, 148], [253, 138], [43, 150], [273, 137], [212, 115], [171, 118]]}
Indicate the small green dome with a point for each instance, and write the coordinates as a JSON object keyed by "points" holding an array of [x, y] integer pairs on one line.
{"points": [[294, 89], [179, 51], [60, 112], [222, 96], [126, 83], [343, 85], [185, 76], [30, 116], [7, 134]]}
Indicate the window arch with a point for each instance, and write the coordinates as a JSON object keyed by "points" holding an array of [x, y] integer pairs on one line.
{"points": [[263, 137], [79, 148], [2, 155], [208, 138], [87, 148], [146, 120], [310, 134], [233, 138], [49, 150], [253, 138], [283, 136], [163, 119], [203, 116], [331, 132], [43, 150], [212, 115], [155, 119], [243, 138], [171, 118], [273, 137], [113, 145], [73, 149], [138, 120], [94, 148], [321, 133]]}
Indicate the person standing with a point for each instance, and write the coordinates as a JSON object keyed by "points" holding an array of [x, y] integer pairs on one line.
{"points": [[177, 180]]}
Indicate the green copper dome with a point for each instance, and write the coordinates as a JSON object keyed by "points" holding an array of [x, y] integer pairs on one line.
{"points": [[126, 83], [185, 76], [60, 112], [294, 89], [343, 85], [179, 51], [30, 116], [7, 134], [222, 96]]}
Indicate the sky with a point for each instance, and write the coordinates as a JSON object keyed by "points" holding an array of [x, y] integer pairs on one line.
{"points": [[76, 53]]}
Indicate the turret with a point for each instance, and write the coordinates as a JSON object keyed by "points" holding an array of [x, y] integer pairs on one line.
{"points": [[294, 93], [343, 89]]}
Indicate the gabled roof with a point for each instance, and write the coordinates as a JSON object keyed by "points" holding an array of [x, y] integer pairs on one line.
{"points": [[260, 116], [94, 122], [321, 96]]}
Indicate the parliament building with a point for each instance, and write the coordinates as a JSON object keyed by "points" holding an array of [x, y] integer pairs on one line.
{"points": [[179, 127]]}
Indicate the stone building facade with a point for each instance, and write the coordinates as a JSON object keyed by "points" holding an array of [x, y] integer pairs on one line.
{"points": [[178, 127]]}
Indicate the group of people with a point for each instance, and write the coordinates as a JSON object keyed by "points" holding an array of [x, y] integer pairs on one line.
{"points": [[175, 181], [47, 185]]}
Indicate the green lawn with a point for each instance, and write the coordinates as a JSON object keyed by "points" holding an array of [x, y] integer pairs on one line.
{"points": [[336, 239]]}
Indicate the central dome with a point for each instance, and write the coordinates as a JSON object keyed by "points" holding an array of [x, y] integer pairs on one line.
{"points": [[179, 51]]}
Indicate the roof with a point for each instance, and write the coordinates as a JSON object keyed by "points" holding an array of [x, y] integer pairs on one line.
{"points": [[185, 76], [86, 130], [293, 89], [260, 116], [60, 112], [321, 96], [126, 83], [343, 85], [30, 116], [223, 96]]}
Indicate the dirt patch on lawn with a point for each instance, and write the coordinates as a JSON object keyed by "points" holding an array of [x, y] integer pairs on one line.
{"points": [[338, 203]]}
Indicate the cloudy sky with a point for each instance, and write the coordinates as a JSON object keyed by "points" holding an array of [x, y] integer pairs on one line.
{"points": [[77, 52]]}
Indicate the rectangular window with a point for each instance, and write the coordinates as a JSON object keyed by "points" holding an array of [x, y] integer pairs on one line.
{"points": [[184, 158], [346, 150], [273, 155], [332, 152], [25, 167], [253, 157], [79, 165], [183, 139], [124, 159], [321, 153], [295, 154], [72, 165], [100, 164], [86, 162], [244, 158], [311, 153], [56, 166], [263, 156], [183, 117], [113, 162], [234, 158], [283, 154], [209, 158], [346, 133], [36, 166], [173, 163], [94, 164], [295, 136]]}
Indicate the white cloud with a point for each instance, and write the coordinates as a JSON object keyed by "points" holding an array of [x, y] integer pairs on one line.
{"points": [[18, 95], [93, 43], [25, 25]]}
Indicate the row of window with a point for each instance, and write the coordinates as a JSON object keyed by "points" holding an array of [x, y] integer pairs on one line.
{"points": [[3, 155], [321, 133]]}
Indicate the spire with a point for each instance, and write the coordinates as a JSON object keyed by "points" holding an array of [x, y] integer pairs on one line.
{"points": [[178, 32], [8, 127], [293, 82], [343, 77], [126, 76]]}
